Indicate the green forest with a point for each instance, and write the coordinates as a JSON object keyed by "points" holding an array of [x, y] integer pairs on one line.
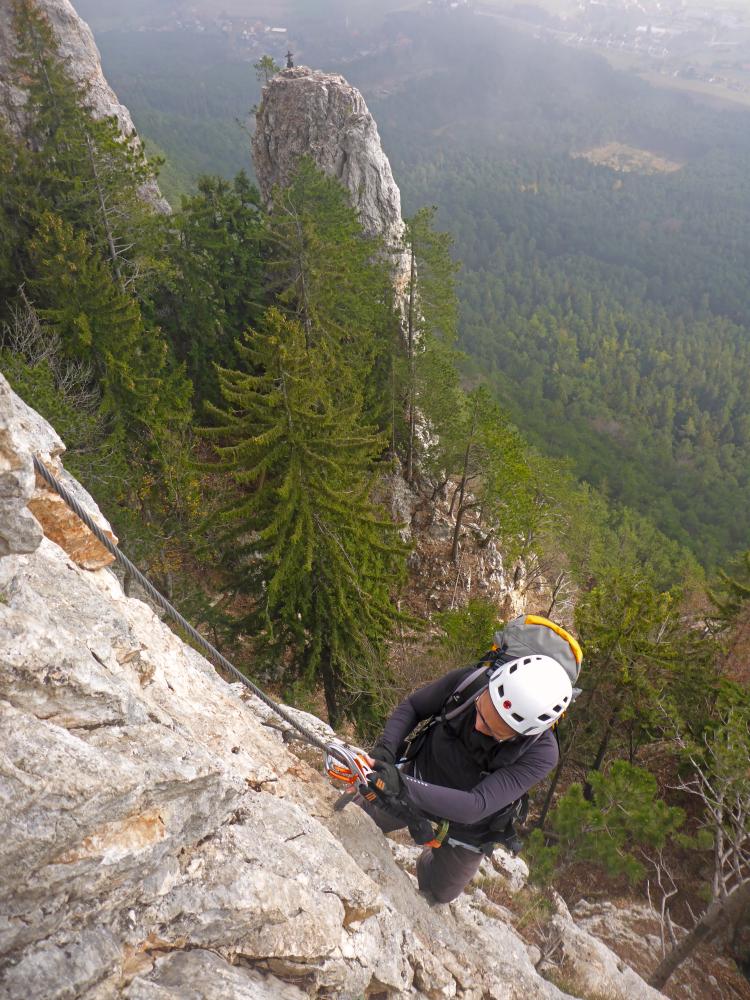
{"points": [[607, 310], [234, 384]]}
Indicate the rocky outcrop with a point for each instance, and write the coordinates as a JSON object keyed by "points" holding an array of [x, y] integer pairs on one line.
{"points": [[634, 932], [305, 112], [588, 965], [160, 839], [78, 48], [28, 508]]}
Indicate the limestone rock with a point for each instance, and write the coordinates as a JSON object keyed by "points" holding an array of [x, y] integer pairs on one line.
{"points": [[185, 975], [61, 525], [78, 47], [29, 509], [633, 932], [270, 718], [307, 112], [19, 530], [157, 839], [591, 965], [514, 871]]}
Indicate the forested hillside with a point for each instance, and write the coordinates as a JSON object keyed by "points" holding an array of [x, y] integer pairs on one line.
{"points": [[611, 306]]}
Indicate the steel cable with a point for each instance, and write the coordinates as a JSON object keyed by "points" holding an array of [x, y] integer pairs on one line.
{"points": [[171, 611]]}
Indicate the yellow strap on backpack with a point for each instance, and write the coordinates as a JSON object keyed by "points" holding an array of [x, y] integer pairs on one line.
{"points": [[538, 620]]}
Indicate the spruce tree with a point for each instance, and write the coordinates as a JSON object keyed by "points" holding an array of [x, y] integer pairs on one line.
{"points": [[97, 322], [302, 535], [215, 293], [335, 281], [9, 198], [81, 168]]}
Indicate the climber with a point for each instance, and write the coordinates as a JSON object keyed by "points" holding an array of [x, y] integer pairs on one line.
{"points": [[289, 59], [471, 765]]}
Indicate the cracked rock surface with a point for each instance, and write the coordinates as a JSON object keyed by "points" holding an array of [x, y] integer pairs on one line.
{"points": [[159, 839]]}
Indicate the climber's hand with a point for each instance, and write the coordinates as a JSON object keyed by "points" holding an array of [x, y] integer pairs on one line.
{"points": [[385, 779]]}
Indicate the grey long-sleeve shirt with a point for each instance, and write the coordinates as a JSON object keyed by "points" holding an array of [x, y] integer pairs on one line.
{"points": [[459, 774]]}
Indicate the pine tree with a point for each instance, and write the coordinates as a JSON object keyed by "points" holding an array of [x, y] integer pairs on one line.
{"points": [[265, 68], [215, 294], [733, 591], [641, 655], [610, 828], [335, 281], [303, 536], [494, 478], [81, 168]]}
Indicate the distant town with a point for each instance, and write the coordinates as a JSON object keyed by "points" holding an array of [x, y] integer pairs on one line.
{"points": [[248, 33], [692, 43], [678, 42]]}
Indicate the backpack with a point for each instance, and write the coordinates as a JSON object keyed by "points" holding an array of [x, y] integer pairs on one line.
{"points": [[520, 637]]}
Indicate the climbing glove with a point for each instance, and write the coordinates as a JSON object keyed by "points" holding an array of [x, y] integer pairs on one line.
{"points": [[386, 780]]}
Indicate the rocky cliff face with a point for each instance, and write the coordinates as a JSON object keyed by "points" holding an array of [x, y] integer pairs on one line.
{"points": [[159, 838], [78, 48], [305, 112]]}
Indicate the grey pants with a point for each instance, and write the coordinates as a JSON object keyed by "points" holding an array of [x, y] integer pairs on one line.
{"points": [[442, 871]]}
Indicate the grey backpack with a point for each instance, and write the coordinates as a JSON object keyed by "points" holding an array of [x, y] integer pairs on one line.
{"points": [[524, 635]]}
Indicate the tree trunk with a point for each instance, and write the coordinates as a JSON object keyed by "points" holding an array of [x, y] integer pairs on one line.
{"points": [[604, 743], [462, 488], [565, 747], [412, 416], [301, 281], [105, 214], [720, 913], [330, 688], [539, 825], [459, 518]]}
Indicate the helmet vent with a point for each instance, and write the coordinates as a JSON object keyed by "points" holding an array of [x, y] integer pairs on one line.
{"points": [[565, 699], [513, 668], [545, 717], [557, 708], [527, 660], [500, 690], [517, 717]]}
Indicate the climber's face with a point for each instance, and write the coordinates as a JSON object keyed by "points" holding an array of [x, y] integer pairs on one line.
{"points": [[488, 721]]}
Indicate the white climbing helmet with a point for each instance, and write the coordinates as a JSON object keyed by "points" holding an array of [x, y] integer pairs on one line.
{"points": [[530, 693]]}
